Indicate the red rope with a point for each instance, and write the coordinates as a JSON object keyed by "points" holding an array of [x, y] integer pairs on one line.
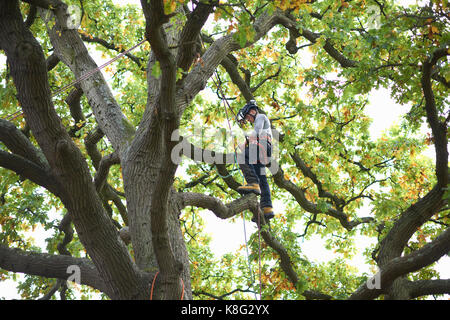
{"points": [[259, 254], [153, 285]]}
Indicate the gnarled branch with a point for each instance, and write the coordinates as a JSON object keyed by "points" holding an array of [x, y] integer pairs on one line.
{"points": [[399, 266], [50, 266], [222, 211]]}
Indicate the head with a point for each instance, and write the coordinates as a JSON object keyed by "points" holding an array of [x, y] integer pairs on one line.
{"points": [[248, 112], [251, 115]]}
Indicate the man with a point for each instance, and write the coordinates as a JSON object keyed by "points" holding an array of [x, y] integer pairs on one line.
{"points": [[256, 155]]}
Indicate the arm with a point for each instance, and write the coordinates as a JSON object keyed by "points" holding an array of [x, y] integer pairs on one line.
{"points": [[261, 125]]}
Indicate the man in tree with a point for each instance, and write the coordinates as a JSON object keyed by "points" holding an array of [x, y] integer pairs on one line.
{"points": [[256, 151]]}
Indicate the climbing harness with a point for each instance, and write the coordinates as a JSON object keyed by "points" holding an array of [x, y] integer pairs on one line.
{"points": [[262, 150], [240, 118], [153, 285], [83, 77]]}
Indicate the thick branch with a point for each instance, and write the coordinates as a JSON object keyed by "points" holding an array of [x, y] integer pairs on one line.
{"points": [[68, 45], [428, 287], [18, 143], [230, 66], [190, 33], [410, 220], [222, 211], [403, 265], [30, 170], [439, 129], [196, 80], [166, 120], [50, 266]]}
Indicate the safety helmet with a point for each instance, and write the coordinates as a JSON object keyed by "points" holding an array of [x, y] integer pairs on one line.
{"points": [[240, 117]]}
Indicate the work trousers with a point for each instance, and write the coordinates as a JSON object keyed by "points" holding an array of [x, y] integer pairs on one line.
{"points": [[253, 162]]}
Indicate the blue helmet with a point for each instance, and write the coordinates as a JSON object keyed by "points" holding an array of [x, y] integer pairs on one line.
{"points": [[240, 117]]}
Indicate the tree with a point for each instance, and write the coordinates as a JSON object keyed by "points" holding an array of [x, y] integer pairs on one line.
{"points": [[86, 153]]}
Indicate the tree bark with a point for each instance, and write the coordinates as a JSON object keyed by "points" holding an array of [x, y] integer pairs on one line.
{"points": [[51, 266]]}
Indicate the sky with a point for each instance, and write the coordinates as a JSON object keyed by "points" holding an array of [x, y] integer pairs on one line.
{"points": [[228, 237]]}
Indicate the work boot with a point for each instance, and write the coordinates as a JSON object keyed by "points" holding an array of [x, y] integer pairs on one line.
{"points": [[250, 188], [252, 185], [268, 214]]}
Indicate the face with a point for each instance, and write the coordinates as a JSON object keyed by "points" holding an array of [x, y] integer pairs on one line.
{"points": [[250, 118]]}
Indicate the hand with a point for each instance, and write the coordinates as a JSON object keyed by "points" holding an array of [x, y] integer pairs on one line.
{"points": [[252, 140]]}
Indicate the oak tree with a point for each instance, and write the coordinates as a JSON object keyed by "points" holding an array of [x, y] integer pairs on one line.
{"points": [[94, 162]]}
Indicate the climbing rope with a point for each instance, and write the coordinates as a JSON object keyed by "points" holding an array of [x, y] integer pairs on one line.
{"points": [[252, 278], [95, 70], [226, 104], [83, 77]]}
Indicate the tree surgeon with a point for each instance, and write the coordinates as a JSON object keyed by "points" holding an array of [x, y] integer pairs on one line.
{"points": [[255, 156]]}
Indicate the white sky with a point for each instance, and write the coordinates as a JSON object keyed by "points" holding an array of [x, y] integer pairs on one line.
{"points": [[228, 237]]}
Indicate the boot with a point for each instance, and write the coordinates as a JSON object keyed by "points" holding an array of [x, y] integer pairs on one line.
{"points": [[249, 188], [268, 214], [252, 185]]}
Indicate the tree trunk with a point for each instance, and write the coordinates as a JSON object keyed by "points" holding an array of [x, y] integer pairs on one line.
{"points": [[140, 171]]}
